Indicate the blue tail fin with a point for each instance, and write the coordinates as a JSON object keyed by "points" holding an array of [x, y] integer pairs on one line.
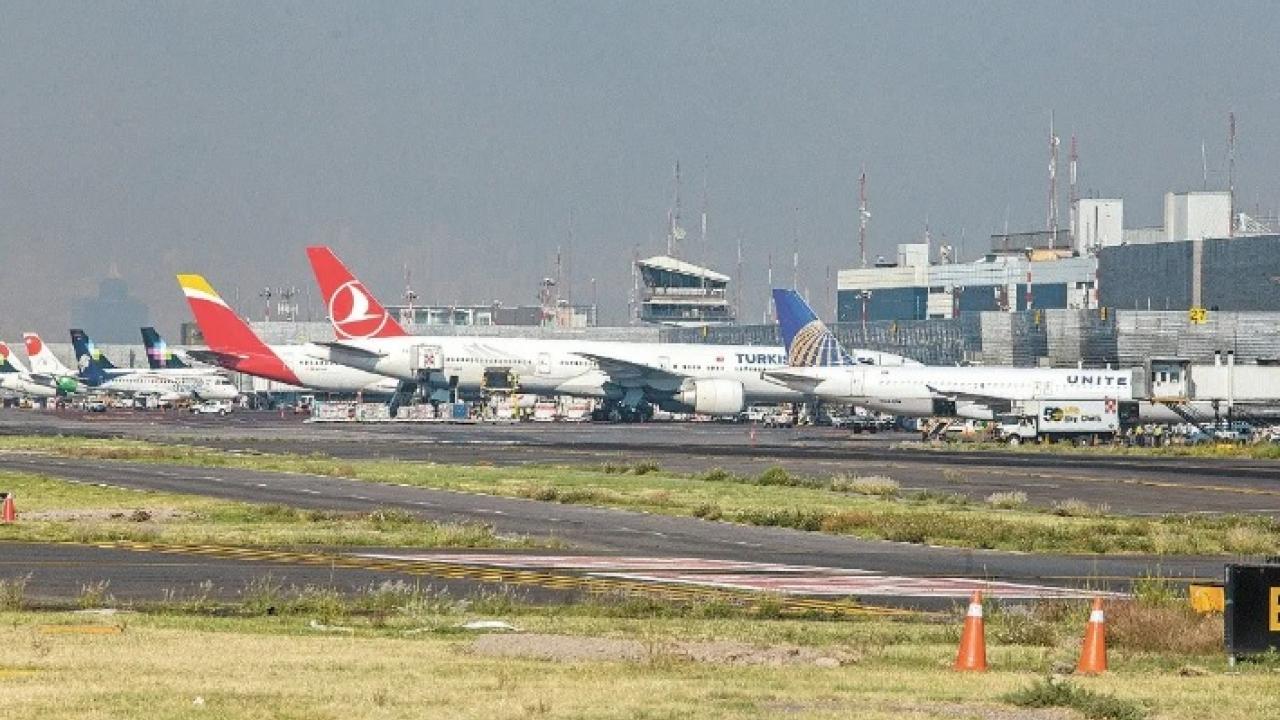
{"points": [[88, 359], [158, 353], [808, 341]]}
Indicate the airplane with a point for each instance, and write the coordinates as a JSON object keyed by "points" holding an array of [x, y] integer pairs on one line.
{"points": [[976, 393], [979, 393], [630, 377], [15, 379], [165, 384], [47, 369], [233, 345], [160, 357]]}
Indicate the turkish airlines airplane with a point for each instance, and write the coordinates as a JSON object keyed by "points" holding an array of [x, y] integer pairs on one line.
{"points": [[629, 377], [234, 346]]}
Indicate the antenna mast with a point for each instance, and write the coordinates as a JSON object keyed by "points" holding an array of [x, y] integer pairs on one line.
{"points": [[1231, 169], [737, 282], [409, 296], [1073, 196], [795, 250], [863, 216], [568, 259], [1052, 224], [769, 306], [675, 233]]}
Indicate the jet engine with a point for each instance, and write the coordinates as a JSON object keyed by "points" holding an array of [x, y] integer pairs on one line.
{"points": [[713, 396]]}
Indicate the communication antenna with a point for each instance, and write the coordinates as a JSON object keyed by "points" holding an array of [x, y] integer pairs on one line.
{"points": [[768, 318], [706, 170], [1204, 167], [675, 233], [928, 242], [1073, 197], [409, 296], [738, 280], [863, 216], [795, 249], [826, 289], [1231, 168], [1052, 222], [702, 238], [568, 259], [559, 280], [633, 302]]}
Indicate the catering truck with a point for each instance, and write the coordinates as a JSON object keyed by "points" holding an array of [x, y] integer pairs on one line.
{"points": [[1080, 421]]}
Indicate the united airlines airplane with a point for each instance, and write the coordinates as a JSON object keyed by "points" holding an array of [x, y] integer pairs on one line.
{"points": [[979, 393]]}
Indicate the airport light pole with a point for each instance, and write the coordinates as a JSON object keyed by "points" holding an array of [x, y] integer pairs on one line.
{"points": [[865, 295]]}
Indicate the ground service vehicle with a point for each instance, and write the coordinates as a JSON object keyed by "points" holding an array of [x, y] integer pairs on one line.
{"points": [[1079, 421]]}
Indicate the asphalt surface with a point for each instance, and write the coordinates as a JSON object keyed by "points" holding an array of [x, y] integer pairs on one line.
{"points": [[56, 573], [1126, 484], [1129, 485], [604, 530]]}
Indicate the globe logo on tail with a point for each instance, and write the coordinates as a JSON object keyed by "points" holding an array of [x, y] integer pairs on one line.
{"points": [[349, 312], [814, 346]]}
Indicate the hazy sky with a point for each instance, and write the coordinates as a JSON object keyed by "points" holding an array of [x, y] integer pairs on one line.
{"points": [[458, 137]]}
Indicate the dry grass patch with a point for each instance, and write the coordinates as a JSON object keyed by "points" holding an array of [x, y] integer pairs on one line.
{"points": [[1007, 500], [1164, 628], [878, 485]]}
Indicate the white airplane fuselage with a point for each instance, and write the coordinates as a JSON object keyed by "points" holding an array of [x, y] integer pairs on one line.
{"points": [[578, 368], [321, 375], [21, 384], [915, 391], [169, 385]]}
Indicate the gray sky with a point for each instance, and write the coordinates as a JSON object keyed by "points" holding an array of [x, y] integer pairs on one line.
{"points": [[224, 137]]}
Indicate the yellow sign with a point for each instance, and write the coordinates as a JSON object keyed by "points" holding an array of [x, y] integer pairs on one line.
{"points": [[1198, 315], [1273, 617]]}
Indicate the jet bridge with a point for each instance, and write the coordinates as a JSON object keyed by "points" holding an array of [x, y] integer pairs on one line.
{"points": [[1203, 393]]}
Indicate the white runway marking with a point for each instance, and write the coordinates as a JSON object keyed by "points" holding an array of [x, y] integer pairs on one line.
{"points": [[810, 580]]}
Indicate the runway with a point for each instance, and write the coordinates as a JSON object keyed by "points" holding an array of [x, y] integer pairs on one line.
{"points": [[1125, 484], [633, 547], [619, 532]]}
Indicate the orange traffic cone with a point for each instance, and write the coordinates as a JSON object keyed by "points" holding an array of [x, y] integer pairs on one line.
{"points": [[9, 512], [973, 641], [1093, 657]]}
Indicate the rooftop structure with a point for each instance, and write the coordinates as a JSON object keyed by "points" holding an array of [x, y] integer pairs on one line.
{"points": [[916, 289], [679, 293]]}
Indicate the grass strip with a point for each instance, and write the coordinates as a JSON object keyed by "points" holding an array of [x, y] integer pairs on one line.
{"points": [[868, 508]]}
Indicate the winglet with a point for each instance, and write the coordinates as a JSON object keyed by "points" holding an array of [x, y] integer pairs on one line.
{"points": [[353, 311]]}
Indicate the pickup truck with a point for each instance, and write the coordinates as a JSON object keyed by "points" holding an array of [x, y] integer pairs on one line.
{"points": [[212, 407]]}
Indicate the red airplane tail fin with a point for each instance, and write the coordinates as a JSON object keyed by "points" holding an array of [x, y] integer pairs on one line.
{"points": [[353, 311]]}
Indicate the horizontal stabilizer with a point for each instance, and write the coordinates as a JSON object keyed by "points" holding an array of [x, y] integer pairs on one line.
{"points": [[353, 349]]}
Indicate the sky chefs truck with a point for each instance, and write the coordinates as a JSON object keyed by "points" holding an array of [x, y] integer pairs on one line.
{"points": [[1075, 421]]}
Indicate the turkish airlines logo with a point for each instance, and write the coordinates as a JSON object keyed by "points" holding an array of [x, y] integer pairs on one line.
{"points": [[349, 312], [34, 346]]}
